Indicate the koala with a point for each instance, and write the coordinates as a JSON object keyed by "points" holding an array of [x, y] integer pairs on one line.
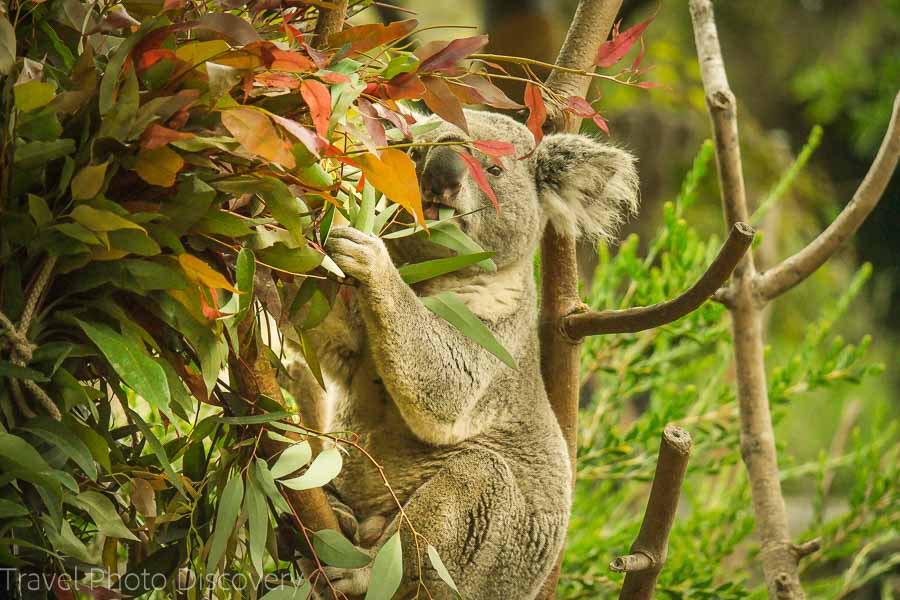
{"points": [[470, 446]]}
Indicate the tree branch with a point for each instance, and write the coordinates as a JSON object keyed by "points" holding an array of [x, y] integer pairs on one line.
{"points": [[758, 451], [559, 274], [330, 21], [648, 553], [804, 263], [631, 320]]}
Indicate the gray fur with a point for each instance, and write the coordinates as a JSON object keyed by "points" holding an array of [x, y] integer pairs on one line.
{"points": [[470, 446]]}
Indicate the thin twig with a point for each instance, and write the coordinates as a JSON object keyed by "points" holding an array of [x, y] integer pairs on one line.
{"points": [[632, 320], [648, 553], [804, 263]]}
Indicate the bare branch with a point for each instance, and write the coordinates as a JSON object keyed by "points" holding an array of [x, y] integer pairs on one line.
{"points": [[804, 263], [331, 20], [631, 320], [779, 561], [648, 553]]}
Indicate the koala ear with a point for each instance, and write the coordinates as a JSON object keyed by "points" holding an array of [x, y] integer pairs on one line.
{"points": [[587, 189]]}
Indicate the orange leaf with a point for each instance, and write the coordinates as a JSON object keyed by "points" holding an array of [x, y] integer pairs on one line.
{"points": [[157, 136], [441, 101], [477, 173], [151, 57], [318, 98], [201, 273], [277, 80], [363, 38], [537, 111], [394, 174], [255, 132], [293, 62], [159, 166]]}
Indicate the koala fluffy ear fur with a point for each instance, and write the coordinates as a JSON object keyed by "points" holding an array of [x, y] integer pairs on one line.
{"points": [[587, 189]]}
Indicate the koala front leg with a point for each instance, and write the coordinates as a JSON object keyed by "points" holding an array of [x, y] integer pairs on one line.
{"points": [[433, 372]]}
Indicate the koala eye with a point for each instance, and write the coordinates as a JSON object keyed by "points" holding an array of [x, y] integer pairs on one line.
{"points": [[495, 170]]}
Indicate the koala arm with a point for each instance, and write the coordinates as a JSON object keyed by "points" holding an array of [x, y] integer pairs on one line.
{"points": [[433, 373]]}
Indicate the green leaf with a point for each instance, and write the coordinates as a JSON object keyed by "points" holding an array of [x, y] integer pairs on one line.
{"points": [[87, 182], [19, 459], [258, 522], [449, 307], [158, 449], [293, 260], [245, 271], [324, 468], [39, 211], [430, 269], [10, 509], [129, 360], [103, 513], [33, 94], [387, 570], [294, 457], [449, 235], [334, 549], [365, 218], [101, 220], [253, 419], [286, 592], [438, 565], [110, 79], [259, 471], [226, 517], [7, 369], [63, 438], [35, 154], [285, 207], [65, 541], [7, 46]]}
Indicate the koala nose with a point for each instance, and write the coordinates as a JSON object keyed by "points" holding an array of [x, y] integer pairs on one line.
{"points": [[443, 174]]}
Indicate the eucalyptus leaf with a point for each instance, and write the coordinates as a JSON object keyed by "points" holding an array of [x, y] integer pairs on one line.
{"points": [[449, 307], [334, 549], [387, 570], [293, 458], [323, 469], [226, 517]]}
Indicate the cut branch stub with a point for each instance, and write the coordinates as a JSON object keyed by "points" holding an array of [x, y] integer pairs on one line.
{"points": [[631, 320], [648, 553]]}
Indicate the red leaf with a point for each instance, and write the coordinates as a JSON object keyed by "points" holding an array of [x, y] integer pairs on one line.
{"points": [[292, 62], [151, 57], [173, 4], [612, 51], [370, 120], [332, 77], [320, 58], [442, 102], [313, 142], [396, 120], [495, 149], [405, 86], [363, 38], [637, 61], [157, 136], [580, 107], [451, 53], [293, 32], [277, 80], [62, 586], [490, 94], [477, 173], [647, 85], [537, 111], [210, 307], [601, 123], [318, 98]]}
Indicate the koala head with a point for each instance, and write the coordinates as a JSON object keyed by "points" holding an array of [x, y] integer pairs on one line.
{"points": [[585, 188]]}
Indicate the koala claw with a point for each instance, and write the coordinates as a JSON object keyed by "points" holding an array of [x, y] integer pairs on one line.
{"points": [[360, 255], [353, 582]]}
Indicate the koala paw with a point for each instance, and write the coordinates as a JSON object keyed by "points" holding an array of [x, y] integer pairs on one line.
{"points": [[362, 256], [352, 582]]}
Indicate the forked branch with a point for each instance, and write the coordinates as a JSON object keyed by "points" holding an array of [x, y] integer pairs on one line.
{"points": [[631, 320], [648, 553], [804, 263]]}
